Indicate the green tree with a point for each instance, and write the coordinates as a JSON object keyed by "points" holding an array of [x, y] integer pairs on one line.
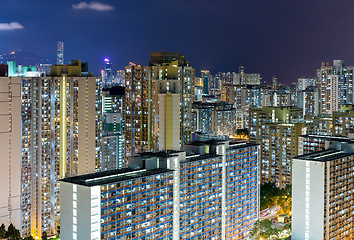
{"points": [[2, 231], [13, 233], [264, 229], [44, 236]]}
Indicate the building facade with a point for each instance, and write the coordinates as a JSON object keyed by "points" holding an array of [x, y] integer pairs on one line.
{"points": [[208, 191], [54, 131], [322, 205], [156, 96]]}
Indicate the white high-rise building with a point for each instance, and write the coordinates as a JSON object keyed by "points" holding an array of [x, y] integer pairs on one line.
{"points": [[322, 193]]}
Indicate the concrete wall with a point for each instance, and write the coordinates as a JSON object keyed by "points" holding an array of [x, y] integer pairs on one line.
{"points": [[307, 200], [169, 121], [10, 151], [80, 216]]}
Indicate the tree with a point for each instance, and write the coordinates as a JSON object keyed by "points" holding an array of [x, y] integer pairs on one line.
{"points": [[44, 236], [13, 233], [58, 231], [264, 229], [271, 196], [2, 231], [268, 192]]}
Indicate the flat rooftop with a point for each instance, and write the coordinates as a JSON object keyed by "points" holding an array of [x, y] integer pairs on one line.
{"points": [[112, 176], [197, 157], [164, 154], [236, 145], [329, 138], [324, 156]]}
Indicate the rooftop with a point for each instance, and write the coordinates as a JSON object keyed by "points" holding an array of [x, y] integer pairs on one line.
{"points": [[197, 157], [241, 145], [112, 176], [164, 154], [324, 156], [330, 138]]}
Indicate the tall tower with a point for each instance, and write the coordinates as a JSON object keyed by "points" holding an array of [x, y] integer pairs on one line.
{"points": [[60, 53], [50, 128], [206, 81], [108, 71], [155, 96]]}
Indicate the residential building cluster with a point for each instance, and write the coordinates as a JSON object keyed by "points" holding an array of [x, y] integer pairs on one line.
{"points": [[154, 151]]}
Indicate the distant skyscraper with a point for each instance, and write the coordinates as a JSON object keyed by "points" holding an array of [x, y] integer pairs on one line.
{"points": [[243, 78], [206, 81], [335, 85], [108, 73], [120, 78], [303, 83], [60, 53]]}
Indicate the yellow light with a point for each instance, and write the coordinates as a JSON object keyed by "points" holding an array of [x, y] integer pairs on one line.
{"points": [[63, 123]]}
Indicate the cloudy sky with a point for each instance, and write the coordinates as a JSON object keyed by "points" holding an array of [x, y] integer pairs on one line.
{"points": [[284, 37]]}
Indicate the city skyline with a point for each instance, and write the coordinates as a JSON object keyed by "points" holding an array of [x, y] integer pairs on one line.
{"points": [[155, 120], [230, 34]]}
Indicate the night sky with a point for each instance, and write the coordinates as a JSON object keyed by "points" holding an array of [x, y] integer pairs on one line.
{"points": [[282, 37]]}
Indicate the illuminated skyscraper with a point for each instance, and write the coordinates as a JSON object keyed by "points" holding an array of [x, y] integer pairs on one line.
{"points": [[243, 78], [108, 73], [206, 77], [60, 53], [335, 85], [277, 130], [159, 103], [54, 130], [112, 128]]}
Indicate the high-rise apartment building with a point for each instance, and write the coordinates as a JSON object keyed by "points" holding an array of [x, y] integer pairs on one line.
{"points": [[304, 83], [54, 131], [139, 112], [112, 128], [322, 193], [215, 118], [277, 131], [308, 100], [243, 78], [208, 191], [60, 53], [314, 143], [120, 78], [159, 103], [271, 114], [343, 121], [335, 84], [322, 124]]}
